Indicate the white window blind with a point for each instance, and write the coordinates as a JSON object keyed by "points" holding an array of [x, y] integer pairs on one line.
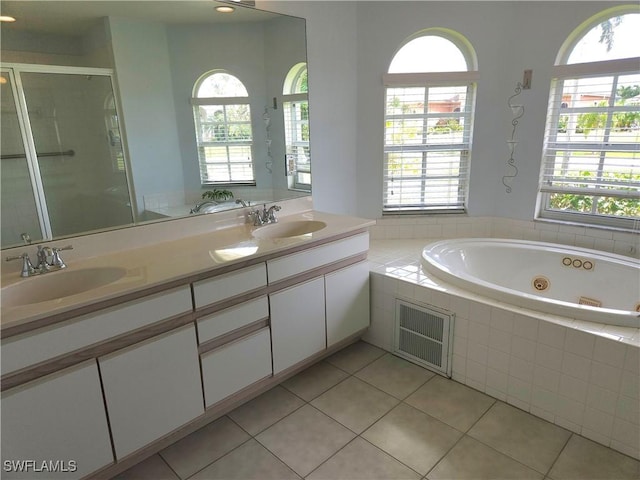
{"points": [[591, 159], [427, 144]]}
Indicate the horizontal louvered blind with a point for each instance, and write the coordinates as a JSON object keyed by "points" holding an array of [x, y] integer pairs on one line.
{"points": [[298, 153], [591, 153], [224, 139], [427, 146]]}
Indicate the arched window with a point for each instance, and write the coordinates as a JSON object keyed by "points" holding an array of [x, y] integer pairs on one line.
{"points": [[429, 102], [223, 129], [295, 105], [591, 158]]}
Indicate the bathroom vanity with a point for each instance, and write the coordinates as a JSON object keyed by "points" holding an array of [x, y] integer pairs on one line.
{"points": [[94, 382]]}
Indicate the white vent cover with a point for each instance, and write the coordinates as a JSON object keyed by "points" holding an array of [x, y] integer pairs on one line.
{"points": [[424, 336]]}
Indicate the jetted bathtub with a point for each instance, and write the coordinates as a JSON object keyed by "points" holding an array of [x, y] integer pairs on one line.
{"points": [[557, 279]]}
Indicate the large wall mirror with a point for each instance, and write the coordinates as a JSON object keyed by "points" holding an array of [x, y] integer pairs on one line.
{"points": [[119, 113]]}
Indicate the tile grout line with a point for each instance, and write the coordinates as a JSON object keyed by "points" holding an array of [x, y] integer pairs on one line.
{"points": [[168, 465], [559, 454], [318, 410]]}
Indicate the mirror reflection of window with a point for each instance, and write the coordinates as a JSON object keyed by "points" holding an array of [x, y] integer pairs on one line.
{"points": [[113, 133], [296, 127], [223, 129]]}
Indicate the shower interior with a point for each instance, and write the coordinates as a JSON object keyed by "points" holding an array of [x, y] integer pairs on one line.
{"points": [[63, 167]]}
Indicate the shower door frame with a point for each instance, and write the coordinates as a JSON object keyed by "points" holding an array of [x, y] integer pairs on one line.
{"points": [[15, 70]]}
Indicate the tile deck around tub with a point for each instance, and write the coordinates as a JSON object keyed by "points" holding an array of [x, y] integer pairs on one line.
{"points": [[422, 436]]}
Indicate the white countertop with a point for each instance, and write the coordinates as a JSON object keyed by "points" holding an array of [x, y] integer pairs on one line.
{"points": [[172, 261]]}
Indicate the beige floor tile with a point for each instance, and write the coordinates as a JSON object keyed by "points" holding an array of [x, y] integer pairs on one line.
{"points": [[305, 439], [265, 410], [153, 468], [584, 459], [355, 404], [451, 402], [528, 439], [362, 461], [251, 461], [355, 356], [204, 446], [472, 460], [413, 437], [395, 375], [315, 380]]}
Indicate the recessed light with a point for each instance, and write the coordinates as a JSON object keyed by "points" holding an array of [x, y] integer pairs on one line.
{"points": [[225, 9], [3, 80], [7, 18]]}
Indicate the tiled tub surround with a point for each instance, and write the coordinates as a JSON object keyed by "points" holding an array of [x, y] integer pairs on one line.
{"points": [[461, 226], [580, 375]]}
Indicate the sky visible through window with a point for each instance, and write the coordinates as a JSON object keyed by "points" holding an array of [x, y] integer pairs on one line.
{"points": [[429, 53], [624, 43]]}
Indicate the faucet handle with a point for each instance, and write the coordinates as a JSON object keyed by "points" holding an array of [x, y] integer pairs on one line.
{"points": [[27, 267], [57, 260]]}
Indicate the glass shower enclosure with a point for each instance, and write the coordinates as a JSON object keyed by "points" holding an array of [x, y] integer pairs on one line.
{"points": [[62, 168]]}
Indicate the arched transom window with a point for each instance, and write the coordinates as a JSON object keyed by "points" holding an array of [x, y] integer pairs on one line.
{"points": [[223, 129], [429, 102]]}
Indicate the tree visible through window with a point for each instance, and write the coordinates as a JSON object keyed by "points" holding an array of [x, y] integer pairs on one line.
{"points": [[591, 164], [223, 129], [429, 99]]}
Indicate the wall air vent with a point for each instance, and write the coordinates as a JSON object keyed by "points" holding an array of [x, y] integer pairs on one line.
{"points": [[424, 335]]}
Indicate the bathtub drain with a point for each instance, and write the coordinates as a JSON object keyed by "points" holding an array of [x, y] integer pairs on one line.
{"points": [[541, 283]]}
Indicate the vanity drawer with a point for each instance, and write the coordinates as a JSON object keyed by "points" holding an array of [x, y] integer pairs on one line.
{"points": [[234, 366], [234, 318], [46, 343], [290, 265], [224, 287]]}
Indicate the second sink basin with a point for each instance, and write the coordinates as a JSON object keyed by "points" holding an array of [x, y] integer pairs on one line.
{"points": [[289, 229], [55, 285]]}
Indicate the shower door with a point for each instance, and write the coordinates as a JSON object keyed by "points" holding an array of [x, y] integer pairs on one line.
{"points": [[73, 150], [20, 211]]}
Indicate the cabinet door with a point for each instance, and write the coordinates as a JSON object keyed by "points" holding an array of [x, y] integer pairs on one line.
{"points": [[59, 420], [152, 388], [232, 367], [347, 292], [297, 323]]}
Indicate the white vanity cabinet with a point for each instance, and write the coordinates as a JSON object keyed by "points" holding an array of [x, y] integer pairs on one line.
{"points": [[297, 323], [59, 423], [347, 300], [152, 388]]}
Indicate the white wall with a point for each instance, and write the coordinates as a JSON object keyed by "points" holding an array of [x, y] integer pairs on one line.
{"points": [[332, 67], [350, 45]]}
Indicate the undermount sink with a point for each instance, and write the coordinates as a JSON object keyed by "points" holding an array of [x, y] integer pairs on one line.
{"points": [[289, 229], [55, 285]]}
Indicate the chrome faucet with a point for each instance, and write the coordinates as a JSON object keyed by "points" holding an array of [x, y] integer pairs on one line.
{"points": [[265, 216], [48, 260], [269, 216]]}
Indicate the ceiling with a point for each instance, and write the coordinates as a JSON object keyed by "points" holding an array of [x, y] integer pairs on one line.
{"points": [[71, 17]]}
